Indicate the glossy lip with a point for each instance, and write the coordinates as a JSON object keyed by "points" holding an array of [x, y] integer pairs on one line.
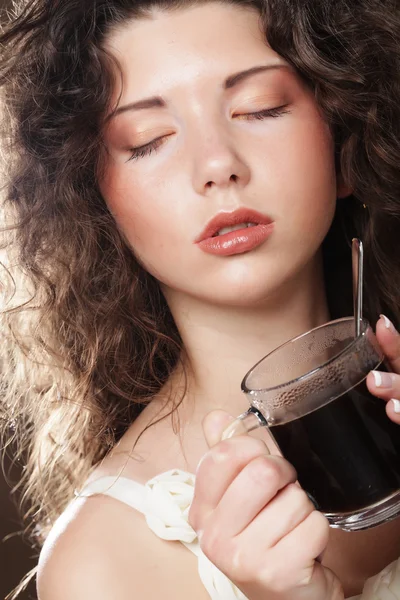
{"points": [[225, 219], [236, 242]]}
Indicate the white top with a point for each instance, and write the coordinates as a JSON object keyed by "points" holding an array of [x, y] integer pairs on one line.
{"points": [[165, 501]]}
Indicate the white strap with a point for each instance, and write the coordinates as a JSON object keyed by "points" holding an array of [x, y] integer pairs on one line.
{"points": [[125, 490]]}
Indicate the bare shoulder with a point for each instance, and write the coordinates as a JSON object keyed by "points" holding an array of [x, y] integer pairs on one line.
{"points": [[101, 548]]}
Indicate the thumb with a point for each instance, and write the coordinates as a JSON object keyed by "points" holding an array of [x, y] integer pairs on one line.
{"points": [[214, 424]]}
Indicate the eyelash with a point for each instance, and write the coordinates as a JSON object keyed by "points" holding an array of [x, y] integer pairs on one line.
{"points": [[142, 151], [268, 112], [147, 149]]}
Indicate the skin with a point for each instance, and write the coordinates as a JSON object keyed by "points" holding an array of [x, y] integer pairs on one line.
{"points": [[214, 157]]}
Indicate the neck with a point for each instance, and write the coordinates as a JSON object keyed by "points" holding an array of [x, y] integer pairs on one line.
{"points": [[223, 342]]}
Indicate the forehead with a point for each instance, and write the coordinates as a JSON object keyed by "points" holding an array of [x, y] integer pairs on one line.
{"points": [[168, 49]]}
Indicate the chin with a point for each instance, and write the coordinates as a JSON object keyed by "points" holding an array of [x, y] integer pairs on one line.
{"points": [[245, 296], [247, 281], [250, 290]]}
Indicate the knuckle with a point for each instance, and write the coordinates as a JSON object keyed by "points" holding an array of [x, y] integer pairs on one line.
{"points": [[272, 578], [243, 572], [262, 471], [223, 451], [233, 557], [237, 558]]}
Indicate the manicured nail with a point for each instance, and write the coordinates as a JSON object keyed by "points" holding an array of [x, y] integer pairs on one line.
{"points": [[396, 405], [382, 380], [388, 324]]}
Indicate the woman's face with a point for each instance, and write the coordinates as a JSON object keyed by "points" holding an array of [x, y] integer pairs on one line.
{"points": [[202, 150]]}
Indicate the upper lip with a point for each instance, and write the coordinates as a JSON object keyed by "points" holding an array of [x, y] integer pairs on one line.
{"points": [[228, 219]]}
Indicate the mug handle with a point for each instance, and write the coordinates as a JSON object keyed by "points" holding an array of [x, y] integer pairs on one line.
{"points": [[248, 421]]}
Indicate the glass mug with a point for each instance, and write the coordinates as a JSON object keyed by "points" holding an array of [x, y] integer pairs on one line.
{"points": [[311, 394]]}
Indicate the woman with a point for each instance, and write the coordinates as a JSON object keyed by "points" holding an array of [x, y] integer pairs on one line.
{"points": [[140, 134]]}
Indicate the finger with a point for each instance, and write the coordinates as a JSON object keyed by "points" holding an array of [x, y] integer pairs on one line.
{"points": [[305, 543], [298, 549], [393, 410], [216, 471], [384, 385], [389, 340], [214, 424], [252, 490], [283, 513]]}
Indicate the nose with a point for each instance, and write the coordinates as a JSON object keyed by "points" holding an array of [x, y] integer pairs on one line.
{"points": [[218, 164]]}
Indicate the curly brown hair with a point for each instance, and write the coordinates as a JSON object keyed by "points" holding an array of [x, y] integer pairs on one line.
{"points": [[87, 337]]}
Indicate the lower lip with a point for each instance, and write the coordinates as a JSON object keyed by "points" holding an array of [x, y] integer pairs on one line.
{"points": [[237, 242]]}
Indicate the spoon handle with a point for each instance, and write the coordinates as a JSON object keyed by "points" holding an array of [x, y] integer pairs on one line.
{"points": [[358, 277]]}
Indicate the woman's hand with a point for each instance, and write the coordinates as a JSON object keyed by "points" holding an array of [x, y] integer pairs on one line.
{"points": [[256, 524], [387, 385]]}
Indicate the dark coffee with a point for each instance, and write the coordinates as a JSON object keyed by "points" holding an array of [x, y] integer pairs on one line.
{"points": [[347, 453]]}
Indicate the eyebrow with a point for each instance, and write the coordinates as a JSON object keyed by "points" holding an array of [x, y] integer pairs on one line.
{"points": [[230, 82]]}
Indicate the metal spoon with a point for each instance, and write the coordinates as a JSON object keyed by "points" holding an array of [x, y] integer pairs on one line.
{"points": [[358, 275]]}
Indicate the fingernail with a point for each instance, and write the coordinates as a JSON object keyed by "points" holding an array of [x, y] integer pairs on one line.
{"points": [[396, 405], [382, 380], [388, 324]]}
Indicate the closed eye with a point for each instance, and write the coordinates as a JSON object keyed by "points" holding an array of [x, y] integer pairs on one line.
{"points": [[264, 114], [146, 149]]}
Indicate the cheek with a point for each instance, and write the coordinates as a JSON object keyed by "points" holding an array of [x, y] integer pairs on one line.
{"points": [[315, 157], [307, 153], [304, 164], [145, 220]]}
